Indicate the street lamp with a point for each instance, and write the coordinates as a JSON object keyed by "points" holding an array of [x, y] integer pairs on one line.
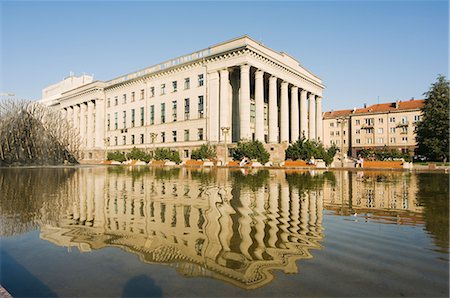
{"points": [[225, 131], [153, 135], [106, 142], [341, 122]]}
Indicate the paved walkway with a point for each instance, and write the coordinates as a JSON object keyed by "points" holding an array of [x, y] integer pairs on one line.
{"points": [[4, 293]]}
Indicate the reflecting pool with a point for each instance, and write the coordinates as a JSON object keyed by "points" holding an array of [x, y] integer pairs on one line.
{"points": [[124, 231]]}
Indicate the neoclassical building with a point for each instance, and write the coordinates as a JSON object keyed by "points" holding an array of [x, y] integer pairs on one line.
{"points": [[231, 91]]}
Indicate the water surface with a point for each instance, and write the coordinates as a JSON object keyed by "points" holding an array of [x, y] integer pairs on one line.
{"points": [[119, 231]]}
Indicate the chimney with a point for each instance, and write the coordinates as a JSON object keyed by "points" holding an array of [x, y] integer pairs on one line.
{"points": [[354, 110], [397, 104], [365, 105]]}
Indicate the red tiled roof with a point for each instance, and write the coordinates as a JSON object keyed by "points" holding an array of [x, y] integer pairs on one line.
{"points": [[412, 104]]}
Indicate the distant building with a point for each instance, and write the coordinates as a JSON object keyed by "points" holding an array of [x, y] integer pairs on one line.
{"points": [[229, 92], [378, 126]]}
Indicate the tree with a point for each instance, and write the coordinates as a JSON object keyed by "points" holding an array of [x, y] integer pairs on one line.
{"points": [[164, 153], [252, 150], [433, 129], [204, 152], [138, 154], [304, 149]]}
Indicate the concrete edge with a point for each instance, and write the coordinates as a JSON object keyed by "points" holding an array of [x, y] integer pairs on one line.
{"points": [[4, 293]]}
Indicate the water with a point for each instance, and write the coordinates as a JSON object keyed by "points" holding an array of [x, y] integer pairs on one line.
{"points": [[117, 231]]}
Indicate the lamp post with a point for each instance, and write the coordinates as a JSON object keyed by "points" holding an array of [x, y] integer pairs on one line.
{"points": [[106, 142], [341, 122], [225, 131], [153, 135]]}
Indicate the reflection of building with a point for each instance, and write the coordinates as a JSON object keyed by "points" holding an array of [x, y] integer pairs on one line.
{"points": [[373, 127], [219, 230], [391, 196], [256, 92]]}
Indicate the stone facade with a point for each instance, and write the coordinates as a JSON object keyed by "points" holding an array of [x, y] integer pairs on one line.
{"points": [[232, 91]]}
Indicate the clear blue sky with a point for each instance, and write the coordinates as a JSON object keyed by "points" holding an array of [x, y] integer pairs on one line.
{"points": [[362, 50]]}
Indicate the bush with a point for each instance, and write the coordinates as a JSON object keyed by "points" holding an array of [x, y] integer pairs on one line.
{"points": [[138, 154], [116, 155], [204, 152], [304, 149], [252, 150], [384, 154], [163, 154]]}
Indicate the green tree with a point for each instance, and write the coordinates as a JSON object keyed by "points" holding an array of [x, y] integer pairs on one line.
{"points": [[163, 154], [433, 129], [204, 152], [116, 155], [252, 150], [304, 149], [138, 154]]}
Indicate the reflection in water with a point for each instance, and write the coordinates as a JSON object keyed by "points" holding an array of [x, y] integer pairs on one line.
{"points": [[230, 225]]}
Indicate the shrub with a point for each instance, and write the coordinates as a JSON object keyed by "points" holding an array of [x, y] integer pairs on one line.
{"points": [[138, 154], [252, 150], [116, 155], [163, 154], [204, 152], [384, 154], [304, 149]]}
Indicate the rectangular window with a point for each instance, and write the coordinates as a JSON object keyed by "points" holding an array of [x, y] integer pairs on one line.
{"points": [[200, 80], [142, 116], [174, 135], [380, 140], [337, 133], [124, 119], [108, 122], [368, 121], [116, 100], [186, 153], [133, 96], [116, 141], [108, 102], [116, 120], [404, 120], [392, 140], [370, 130], [187, 83], [132, 117], [404, 139], [124, 99], [369, 141], [163, 137], [404, 129], [357, 122], [380, 130], [186, 109], [174, 86], [252, 112], [152, 91], [163, 113], [142, 94], [380, 120], [142, 138], [152, 114], [174, 111], [331, 124], [391, 119], [358, 141], [392, 129], [416, 118], [163, 89], [132, 139], [200, 106], [200, 134], [358, 131], [186, 135], [332, 133], [124, 140]]}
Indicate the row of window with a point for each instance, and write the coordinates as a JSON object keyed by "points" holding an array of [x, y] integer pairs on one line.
{"points": [[187, 109], [403, 130], [392, 140], [187, 85], [173, 135]]}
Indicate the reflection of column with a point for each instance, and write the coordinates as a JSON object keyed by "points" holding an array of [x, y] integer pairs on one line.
{"points": [[284, 113], [99, 200], [295, 211], [304, 217], [225, 222], [319, 209], [82, 198], [259, 225], [273, 111], [312, 211], [259, 106], [245, 227], [212, 228], [89, 196], [244, 103], [273, 214], [294, 114], [284, 212]]}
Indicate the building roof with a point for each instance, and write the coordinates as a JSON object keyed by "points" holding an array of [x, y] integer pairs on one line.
{"points": [[396, 106]]}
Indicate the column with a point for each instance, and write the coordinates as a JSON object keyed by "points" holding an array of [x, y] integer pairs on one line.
{"points": [[69, 115], [244, 103], [213, 107], [273, 110], [76, 116], [284, 123], [303, 115], [294, 114], [319, 119], [82, 124], [90, 124], [224, 104], [100, 123], [312, 117], [259, 105]]}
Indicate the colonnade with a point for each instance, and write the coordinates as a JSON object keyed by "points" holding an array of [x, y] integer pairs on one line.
{"points": [[293, 110]]}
